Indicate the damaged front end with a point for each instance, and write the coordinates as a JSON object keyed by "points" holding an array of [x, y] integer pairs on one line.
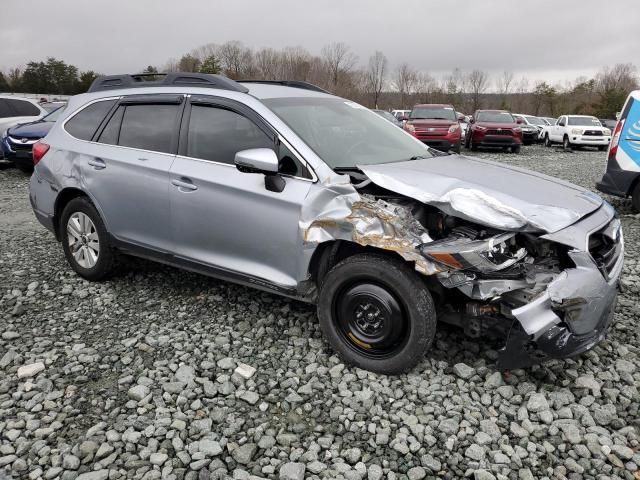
{"points": [[551, 295]]}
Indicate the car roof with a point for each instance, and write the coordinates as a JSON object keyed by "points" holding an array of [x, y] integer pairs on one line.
{"points": [[432, 105], [265, 91], [16, 97]]}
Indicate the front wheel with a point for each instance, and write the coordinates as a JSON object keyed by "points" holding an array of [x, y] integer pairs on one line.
{"points": [[566, 144], [515, 149], [602, 148], [85, 240], [547, 141], [377, 313]]}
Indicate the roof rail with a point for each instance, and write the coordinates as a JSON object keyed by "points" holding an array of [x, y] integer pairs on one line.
{"points": [[290, 83], [141, 80]]}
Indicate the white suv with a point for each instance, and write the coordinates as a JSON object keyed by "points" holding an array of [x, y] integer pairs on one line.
{"points": [[578, 131], [14, 110]]}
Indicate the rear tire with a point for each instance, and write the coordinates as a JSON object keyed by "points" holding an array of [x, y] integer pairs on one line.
{"points": [[635, 198], [377, 313], [85, 240]]}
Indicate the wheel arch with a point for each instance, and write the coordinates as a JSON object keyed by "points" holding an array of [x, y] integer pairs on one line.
{"points": [[62, 200], [330, 253]]}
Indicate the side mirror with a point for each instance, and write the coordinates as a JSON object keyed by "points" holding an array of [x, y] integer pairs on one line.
{"points": [[403, 118], [461, 118], [472, 120], [519, 121], [261, 160]]}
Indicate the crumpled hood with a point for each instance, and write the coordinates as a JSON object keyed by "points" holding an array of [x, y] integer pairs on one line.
{"points": [[489, 193]]}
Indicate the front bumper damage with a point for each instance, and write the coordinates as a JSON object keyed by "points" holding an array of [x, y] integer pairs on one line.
{"points": [[570, 317]]}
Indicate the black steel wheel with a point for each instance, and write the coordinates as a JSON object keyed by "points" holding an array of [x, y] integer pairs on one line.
{"points": [[377, 313]]}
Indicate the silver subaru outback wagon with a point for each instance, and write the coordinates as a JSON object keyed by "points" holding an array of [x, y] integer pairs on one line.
{"points": [[284, 187]]}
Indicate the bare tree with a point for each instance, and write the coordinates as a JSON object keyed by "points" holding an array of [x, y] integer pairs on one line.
{"points": [[375, 76], [405, 82], [504, 82], [426, 87], [267, 63], [339, 60], [296, 63], [477, 81], [237, 60], [453, 85]]}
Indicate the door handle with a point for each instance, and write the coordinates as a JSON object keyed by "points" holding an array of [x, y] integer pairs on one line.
{"points": [[97, 163], [184, 184]]}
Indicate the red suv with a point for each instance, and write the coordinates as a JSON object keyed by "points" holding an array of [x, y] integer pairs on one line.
{"points": [[436, 125], [494, 128]]}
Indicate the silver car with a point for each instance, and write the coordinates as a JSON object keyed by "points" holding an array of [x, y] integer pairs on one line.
{"points": [[286, 188]]}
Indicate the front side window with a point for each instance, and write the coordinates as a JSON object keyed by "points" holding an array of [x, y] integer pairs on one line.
{"points": [[24, 109], [149, 127], [217, 134], [83, 125], [344, 134]]}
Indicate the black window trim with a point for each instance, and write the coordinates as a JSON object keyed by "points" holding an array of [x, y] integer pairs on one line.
{"points": [[81, 108], [12, 107], [253, 116]]}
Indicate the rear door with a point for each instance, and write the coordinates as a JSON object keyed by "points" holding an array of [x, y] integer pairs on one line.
{"points": [[221, 217], [127, 172]]}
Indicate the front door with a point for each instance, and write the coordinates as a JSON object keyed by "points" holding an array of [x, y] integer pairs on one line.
{"points": [[225, 218]]}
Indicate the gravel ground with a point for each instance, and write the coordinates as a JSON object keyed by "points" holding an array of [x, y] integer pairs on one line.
{"points": [[160, 373]]}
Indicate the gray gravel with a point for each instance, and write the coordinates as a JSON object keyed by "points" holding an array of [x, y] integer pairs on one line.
{"points": [[159, 373]]}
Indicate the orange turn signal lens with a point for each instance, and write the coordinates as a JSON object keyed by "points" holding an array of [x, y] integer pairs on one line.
{"points": [[447, 259]]}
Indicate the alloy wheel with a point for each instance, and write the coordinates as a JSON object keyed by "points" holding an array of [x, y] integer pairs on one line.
{"points": [[83, 240]]}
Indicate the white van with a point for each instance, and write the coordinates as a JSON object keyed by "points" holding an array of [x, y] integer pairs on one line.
{"points": [[622, 177]]}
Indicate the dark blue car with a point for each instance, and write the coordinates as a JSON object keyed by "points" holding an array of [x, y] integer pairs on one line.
{"points": [[17, 142]]}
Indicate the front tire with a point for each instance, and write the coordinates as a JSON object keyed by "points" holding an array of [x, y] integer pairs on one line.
{"points": [[547, 141], [85, 240], [377, 313], [515, 149], [602, 148], [566, 144]]}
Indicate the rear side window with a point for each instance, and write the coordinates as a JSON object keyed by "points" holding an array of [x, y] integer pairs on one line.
{"points": [[5, 112], [218, 134], [149, 127], [84, 124], [23, 109]]}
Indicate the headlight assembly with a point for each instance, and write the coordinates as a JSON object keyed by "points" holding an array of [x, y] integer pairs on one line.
{"points": [[487, 255], [577, 131]]}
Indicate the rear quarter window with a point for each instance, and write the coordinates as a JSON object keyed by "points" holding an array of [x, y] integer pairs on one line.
{"points": [[83, 125], [23, 109], [5, 111]]}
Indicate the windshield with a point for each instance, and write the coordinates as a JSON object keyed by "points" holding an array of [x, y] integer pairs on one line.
{"points": [[433, 113], [585, 121], [54, 115], [549, 120], [345, 134], [495, 117], [535, 121]]}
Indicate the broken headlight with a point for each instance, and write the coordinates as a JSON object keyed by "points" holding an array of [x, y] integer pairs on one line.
{"points": [[488, 255]]}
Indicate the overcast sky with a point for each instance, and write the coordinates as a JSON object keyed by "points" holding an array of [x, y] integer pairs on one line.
{"points": [[553, 40]]}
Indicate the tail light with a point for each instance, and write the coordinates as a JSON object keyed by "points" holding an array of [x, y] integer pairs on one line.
{"points": [[410, 128], [615, 140], [39, 151]]}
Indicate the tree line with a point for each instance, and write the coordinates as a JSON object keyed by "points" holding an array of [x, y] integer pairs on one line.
{"points": [[370, 81]]}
